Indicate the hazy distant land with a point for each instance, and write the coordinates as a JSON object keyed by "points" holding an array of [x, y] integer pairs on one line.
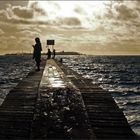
{"points": [[57, 53]]}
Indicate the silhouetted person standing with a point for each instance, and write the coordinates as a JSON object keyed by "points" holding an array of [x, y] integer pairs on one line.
{"points": [[54, 53], [49, 54], [37, 53]]}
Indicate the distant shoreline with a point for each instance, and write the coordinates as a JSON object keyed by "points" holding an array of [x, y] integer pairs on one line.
{"points": [[57, 53], [74, 53]]}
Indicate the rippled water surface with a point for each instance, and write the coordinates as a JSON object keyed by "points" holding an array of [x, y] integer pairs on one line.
{"points": [[114, 73], [12, 69], [117, 73]]}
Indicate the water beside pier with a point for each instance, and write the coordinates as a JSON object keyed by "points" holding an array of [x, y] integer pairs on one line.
{"points": [[112, 73]]}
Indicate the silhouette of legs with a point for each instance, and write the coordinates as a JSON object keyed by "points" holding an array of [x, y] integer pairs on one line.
{"points": [[37, 59]]}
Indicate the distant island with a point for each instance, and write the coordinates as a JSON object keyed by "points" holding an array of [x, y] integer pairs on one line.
{"points": [[67, 53], [57, 53]]}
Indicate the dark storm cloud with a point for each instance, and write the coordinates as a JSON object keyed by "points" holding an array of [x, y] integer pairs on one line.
{"points": [[27, 15], [122, 11], [71, 21], [15, 13], [125, 13], [19, 14], [4, 3], [35, 7], [138, 2], [23, 12]]}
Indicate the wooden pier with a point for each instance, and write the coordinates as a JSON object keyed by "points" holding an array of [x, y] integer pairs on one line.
{"points": [[58, 103], [17, 110], [106, 119]]}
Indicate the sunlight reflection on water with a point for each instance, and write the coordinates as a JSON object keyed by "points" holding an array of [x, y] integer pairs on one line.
{"points": [[117, 74]]}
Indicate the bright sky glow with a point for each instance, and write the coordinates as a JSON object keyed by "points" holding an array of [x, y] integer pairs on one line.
{"points": [[91, 27], [62, 9], [66, 8]]}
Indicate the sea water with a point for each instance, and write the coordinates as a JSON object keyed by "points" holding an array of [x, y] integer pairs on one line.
{"points": [[118, 74], [13, 68]]}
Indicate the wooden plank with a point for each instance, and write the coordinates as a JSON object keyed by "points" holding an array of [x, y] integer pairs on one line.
{"points": [[22, 114], [17, 110], [107, 120]]}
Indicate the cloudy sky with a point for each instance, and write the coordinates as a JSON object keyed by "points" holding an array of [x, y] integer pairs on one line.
{"points": [[91, 27]]}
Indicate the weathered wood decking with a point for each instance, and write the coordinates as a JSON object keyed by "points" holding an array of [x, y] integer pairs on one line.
{"points": [[107, 120], [26, 112], [17, 110]]}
